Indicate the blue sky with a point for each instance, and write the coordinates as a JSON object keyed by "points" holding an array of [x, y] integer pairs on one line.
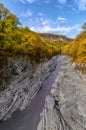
{"points": [[54, 16]]}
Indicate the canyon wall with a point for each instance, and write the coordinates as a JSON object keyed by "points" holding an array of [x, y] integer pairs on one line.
{"points": [[24, 83]]}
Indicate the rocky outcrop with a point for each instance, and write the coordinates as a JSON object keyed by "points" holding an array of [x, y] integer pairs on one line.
{"points": [[24, 84], [11, 70], [65, 107], [54, 37]]}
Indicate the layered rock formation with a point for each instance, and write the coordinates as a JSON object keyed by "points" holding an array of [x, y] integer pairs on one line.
{"points": [[65, 107], [54, 37], [24, 83]]}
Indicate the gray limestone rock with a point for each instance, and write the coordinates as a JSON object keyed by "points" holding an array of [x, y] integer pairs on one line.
{"points": [[23, 86], [65, 108]]}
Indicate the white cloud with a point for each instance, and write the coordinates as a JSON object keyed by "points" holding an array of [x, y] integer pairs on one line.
{"points": [[41, 14], [62, 19], [45, 22], [23, 1], [81, 4], [40, 21], [29, 1], [46, 25], [62, 1], [61, 29], [26, 14]]}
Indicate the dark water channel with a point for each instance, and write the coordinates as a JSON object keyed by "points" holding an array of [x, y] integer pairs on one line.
{"points": [[29, 118]]}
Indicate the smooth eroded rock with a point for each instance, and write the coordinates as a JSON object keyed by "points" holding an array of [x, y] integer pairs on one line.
{"points": [[69, 101], [24, 86]]}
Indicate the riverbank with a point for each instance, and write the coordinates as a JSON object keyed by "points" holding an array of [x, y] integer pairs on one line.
{"points": [[24, 86], [65, 107], [65, 104], [30, 117]]}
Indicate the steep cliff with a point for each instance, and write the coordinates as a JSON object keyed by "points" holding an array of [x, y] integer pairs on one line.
{"points": [[24, 83], [54, 37]]}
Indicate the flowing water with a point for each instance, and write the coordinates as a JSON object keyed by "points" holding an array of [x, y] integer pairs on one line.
{"points": [[29, 118]]}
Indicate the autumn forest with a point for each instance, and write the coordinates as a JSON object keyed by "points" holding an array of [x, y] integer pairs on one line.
{"points": [[16, 40]]}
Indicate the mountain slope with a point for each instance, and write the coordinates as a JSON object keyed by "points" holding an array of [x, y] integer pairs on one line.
{"points": [[54, 37], [77, 48]]}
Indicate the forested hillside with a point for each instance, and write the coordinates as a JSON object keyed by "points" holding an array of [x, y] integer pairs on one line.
{"points": [[77, 48], [54, 37], [16, 40]]}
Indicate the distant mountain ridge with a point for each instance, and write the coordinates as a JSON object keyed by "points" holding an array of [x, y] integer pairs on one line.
{"points": [[55, 37]]}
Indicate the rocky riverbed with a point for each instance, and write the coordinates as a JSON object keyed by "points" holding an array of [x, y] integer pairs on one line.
{"points": [[24, 83], [65, 104], [65, 107]]}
